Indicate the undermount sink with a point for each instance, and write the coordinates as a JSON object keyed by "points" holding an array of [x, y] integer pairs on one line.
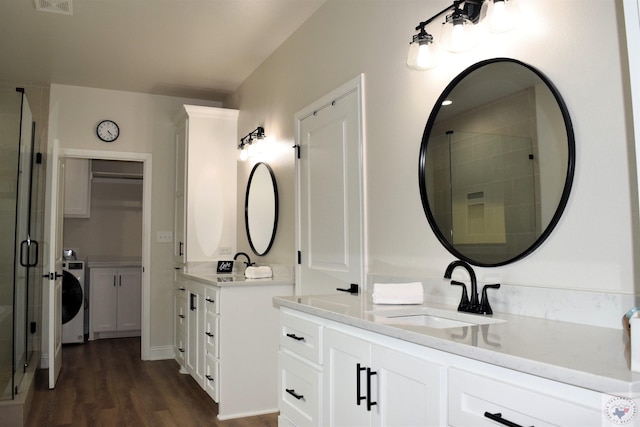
{"points": [[429, 317]]}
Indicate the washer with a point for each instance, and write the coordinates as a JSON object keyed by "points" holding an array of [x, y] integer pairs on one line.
{"points": [[73, 302]]}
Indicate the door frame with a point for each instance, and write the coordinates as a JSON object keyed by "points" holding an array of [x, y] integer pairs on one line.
{"points": [[354, 85], [146, 159]]}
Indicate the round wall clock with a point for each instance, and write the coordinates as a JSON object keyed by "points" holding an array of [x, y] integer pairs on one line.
{"points": [[108, 130]]}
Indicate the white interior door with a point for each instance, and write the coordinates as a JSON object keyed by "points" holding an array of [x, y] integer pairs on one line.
{"points": [[53, 284], [330, 193]]}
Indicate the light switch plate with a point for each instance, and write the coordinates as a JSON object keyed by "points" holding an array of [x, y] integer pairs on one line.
{"points": [[164, 237]]}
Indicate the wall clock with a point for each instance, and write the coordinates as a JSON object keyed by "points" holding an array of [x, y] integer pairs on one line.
{"points": [[108, 130]]}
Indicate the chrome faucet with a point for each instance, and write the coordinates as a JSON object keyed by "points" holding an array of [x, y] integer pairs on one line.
{"points": [[247, 262], [471, 305], [468, 305]]}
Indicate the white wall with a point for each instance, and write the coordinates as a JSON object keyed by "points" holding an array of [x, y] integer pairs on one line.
{"points": [[577, 43], [146, 126]]}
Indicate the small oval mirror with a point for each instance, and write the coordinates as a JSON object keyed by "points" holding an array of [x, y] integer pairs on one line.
{"points": [[261, 208], [496, 162]]}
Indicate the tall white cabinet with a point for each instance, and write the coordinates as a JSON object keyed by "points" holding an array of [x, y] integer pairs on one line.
{"points": [[205, 186]]}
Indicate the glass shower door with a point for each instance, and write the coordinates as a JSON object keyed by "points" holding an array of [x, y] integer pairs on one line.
{"points": [[19, 250]]}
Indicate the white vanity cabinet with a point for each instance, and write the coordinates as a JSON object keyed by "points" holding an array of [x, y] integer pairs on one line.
{"points": [[205, 185], [335, 374], [331, 377], [231, 336], [116, 297]]}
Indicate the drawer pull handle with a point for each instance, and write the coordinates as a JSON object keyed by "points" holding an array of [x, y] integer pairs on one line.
{"points": [[370, 373], [209, 377], [182, 289], [358, 397], [497, 417], [293, 393], [295, 337], [209, 334], [181, 350], [181, 316], [210, 300]]}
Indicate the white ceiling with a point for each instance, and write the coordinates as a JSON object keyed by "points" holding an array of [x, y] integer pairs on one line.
{"points": [[192, 48]]}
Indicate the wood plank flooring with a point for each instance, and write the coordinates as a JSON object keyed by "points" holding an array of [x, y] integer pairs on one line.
{"points": [[104, 383]]}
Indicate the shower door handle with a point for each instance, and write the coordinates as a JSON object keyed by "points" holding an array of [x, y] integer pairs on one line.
{"points": [[27, 244]]}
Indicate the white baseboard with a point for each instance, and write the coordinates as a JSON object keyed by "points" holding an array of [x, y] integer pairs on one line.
{"points": [[160, 353], [44, 361], [247, 414]]}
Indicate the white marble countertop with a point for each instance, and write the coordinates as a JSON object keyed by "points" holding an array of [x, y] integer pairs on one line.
{"points": [[587, 356], [223, 280]]}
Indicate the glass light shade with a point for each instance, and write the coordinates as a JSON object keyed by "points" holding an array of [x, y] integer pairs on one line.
{"points": [[244, 154], [459, 34], [424, 54], [256, 148], [501, 15]]}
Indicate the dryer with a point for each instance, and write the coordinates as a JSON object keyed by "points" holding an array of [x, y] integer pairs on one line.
{"points": [[73, 302]]}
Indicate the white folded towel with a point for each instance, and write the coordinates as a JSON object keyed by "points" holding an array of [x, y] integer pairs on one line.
{"points": [[261, 272], [398, 293]]}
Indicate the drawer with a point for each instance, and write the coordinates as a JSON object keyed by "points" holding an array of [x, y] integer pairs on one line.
{"points": [[178, 281], [180, 310], [180, 348], [299, 391], [211, 330], [301, 336], [471, 396], [180, 324], [211, 375], [212, 300]]}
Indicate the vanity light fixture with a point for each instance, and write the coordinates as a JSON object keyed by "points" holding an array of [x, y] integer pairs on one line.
{"points": [[459, 29], [252, 137]]}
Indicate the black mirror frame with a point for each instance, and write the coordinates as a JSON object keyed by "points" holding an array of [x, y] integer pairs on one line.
{"points": [[570, 163], [246, 209]]}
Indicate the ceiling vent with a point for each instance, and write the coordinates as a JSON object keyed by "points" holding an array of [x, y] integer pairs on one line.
{"points": [[55, 6]]}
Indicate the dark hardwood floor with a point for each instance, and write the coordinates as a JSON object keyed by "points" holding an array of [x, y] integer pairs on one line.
{"points": [[104, 383]]}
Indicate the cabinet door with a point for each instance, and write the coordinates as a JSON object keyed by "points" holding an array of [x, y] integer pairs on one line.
{"points": [[129, 299], [104, 302], [77, 188], [179, 201], [195, 332], [345, 379], [409, 390]]}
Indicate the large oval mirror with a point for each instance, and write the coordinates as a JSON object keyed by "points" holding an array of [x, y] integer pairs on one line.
{"points": [[261, 208], [496, 162]]}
